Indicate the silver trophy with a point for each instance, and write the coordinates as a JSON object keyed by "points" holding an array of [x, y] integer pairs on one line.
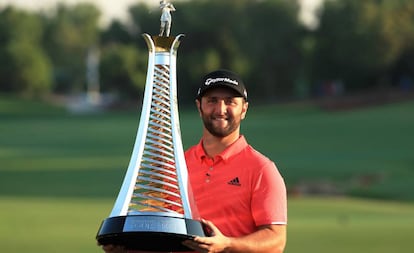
{"points": [[154, 210]]}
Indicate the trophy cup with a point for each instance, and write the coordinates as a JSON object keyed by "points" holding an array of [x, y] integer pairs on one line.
{"points": [[154, 210]]}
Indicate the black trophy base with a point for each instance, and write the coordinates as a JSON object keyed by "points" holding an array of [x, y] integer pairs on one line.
{"points": [[149, 232]]}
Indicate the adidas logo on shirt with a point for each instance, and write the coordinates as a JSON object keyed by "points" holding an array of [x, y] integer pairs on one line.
{"points": [[235, 181]]}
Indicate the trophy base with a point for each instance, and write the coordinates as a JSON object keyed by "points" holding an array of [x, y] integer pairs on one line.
{"points": [[149, 232]]}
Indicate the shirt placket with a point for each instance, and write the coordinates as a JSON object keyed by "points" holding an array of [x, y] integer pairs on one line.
{"points": [[208, 169]]}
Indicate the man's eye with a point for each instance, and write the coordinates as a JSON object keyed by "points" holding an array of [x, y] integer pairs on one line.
{"points": [[230, 101]]}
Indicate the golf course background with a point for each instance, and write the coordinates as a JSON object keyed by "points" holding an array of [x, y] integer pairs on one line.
{"points": [[349, 173]]}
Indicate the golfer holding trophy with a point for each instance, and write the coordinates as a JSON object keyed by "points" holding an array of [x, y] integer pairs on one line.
{"points": [[221, 195]]}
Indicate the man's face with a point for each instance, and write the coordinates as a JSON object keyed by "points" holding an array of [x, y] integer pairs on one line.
{"points": [[222, 110]]}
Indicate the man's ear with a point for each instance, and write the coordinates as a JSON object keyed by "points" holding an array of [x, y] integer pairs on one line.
{"points": [[244, 110], [198, 104]]}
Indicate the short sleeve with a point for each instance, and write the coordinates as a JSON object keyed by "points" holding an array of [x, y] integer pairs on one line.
{"points": [[269, 200]]}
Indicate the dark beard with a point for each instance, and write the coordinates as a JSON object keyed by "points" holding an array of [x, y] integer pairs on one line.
{"points": [[219, 132]]}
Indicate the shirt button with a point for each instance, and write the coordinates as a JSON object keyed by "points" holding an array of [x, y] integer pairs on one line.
{"points": [[211, 168]]}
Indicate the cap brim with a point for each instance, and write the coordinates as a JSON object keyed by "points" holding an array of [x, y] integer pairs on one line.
{"points": [[222, 85]]}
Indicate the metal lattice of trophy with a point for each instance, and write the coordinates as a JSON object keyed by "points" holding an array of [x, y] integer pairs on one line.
{"points": [[154, 210]]}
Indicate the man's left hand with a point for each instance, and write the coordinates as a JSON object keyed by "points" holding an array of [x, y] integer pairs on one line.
{"points": [[216, 243]]}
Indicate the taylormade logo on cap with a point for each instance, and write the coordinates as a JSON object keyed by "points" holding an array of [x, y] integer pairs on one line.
{"points": [[220, 79]]}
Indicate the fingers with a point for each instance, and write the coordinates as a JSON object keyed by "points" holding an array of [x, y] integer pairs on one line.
{"points": [[208, 227], [196, 246]]}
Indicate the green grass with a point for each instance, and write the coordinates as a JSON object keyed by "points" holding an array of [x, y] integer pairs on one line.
{"points": [[67, 225], [50, 225], [60, 173], [366, 152], [349, 225]]}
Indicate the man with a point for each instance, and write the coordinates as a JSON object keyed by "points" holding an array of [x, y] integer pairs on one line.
{"points": [[239, 193]]}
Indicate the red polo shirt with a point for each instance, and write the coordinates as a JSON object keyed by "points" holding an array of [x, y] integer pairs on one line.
{"points": [[238, 190]]}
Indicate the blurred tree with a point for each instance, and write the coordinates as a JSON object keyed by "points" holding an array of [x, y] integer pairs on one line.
{"points": [[396, 20], [70, 32], [25, 68], [29, 69], [397, 28], [124, 56], [273, 39], [146, 19], [116, 33], [123, 70], [364, 44], [359, 41], [258, 39]]}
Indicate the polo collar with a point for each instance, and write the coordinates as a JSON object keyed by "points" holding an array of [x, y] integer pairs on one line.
{"points": [[235, 148]]}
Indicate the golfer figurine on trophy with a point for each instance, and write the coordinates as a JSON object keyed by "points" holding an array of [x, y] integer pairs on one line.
{"points": [[154, 210], [166, 19]]}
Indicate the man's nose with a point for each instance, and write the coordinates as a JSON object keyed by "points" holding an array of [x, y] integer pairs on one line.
{"points": [[221, 106]]}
